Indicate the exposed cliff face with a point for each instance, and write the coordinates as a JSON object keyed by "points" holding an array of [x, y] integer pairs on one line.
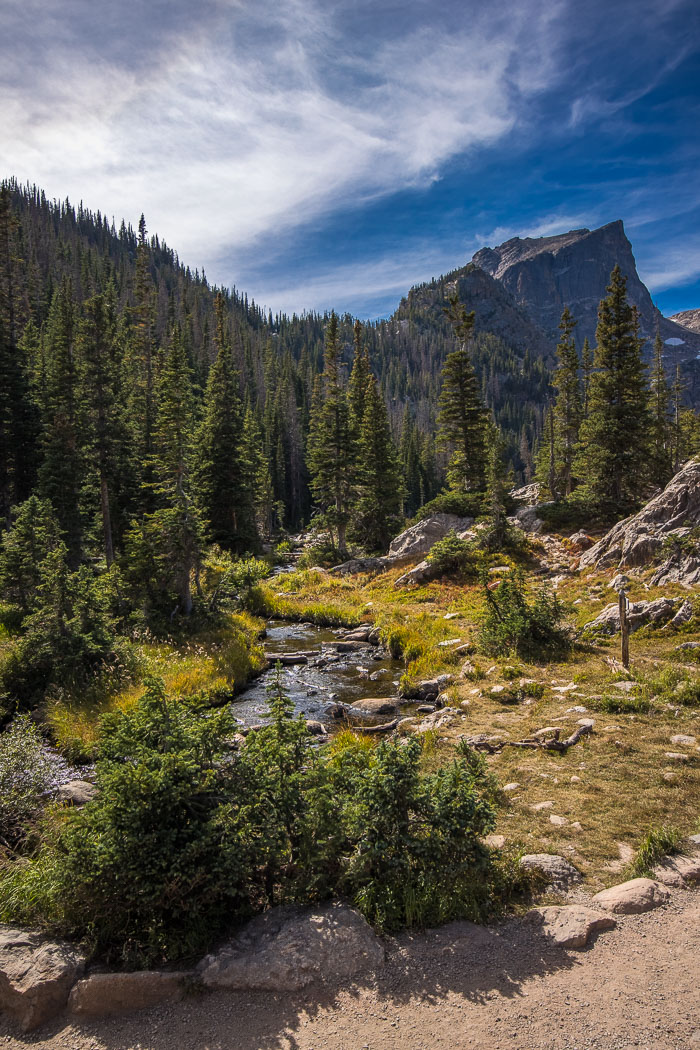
{"points": [[689, 319], [545, 274]]}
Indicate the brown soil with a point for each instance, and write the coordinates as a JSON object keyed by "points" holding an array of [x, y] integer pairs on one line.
{"points": [[451, 989]]}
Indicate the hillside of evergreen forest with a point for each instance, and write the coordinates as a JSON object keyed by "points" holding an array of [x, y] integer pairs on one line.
{"points": [[181, 472]]}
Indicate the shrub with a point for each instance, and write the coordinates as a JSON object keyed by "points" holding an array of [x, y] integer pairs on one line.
{"points": [[463, 504], [453, 555], [184, 839], [26, 779], [515, 624], [619, 704], [67, 639]]}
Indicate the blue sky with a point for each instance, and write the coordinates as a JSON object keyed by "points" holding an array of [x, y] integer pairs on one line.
{"points": [[332, 154]]}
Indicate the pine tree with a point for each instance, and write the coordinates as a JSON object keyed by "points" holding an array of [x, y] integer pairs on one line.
{"points": [[164, 549], [379, 487], [330, 458], [567, 406], [62, 469], [586, 372], [359, 382], [614, 443], [659, 406], [18, 422], [104, 433], [496, 490], [462, 417], [222, 484]]}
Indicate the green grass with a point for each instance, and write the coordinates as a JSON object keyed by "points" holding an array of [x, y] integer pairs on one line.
{"points": [[656, 844]]}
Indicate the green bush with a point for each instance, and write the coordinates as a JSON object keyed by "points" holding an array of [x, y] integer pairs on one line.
{"points": [[514, 623], [185, 839], [66, 640], [619, 704], [453, 555]]}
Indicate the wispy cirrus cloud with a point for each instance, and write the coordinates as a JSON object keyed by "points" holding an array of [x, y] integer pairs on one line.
{"points": [[244, 120]]}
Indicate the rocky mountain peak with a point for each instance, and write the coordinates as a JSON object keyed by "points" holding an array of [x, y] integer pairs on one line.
{"points": [[545, 274], [689, 319]]}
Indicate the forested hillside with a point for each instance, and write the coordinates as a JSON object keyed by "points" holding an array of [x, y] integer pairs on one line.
{"points": [[56, 258]]}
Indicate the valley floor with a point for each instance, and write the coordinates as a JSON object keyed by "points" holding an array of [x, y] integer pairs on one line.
{"points": [[452, 989]]}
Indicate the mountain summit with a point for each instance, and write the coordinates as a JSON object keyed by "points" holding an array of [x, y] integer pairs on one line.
{"points": [[545, 274]]}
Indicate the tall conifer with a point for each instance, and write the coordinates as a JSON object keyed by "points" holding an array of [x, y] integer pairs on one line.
{"points": [[614, 443], [462, 418]]}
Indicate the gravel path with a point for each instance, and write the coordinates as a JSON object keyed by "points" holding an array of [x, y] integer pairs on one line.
{"points": [[458, 987]]}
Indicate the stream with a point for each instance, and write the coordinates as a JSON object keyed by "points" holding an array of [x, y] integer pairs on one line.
{"points": [[328, 676]]}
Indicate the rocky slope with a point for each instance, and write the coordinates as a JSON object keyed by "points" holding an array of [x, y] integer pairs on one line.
{"points": [[639, 539], [544, 274], [689, 319]]}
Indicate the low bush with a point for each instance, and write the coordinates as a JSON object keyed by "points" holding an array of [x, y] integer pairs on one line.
{"points": [[186, 838], [621, 704], [454, 555], [515, 623]]}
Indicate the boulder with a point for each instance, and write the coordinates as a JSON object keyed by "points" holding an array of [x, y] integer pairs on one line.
{"points": [[569, 926], [658, 611], [581, 541], [638, 539], [417, 540], [423, 572], [557, 870], [633, 897], [684, 614], [678, 871], [36, 975], [288, 948], [428, 689], [529, 494], [683, 740], [315, 728], [526, 518], [683, 569], [105, 994], [372, 706], [355, 565], [77, 792]]}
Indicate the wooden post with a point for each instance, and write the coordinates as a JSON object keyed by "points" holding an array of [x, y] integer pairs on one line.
{"points": [[624, 630]]}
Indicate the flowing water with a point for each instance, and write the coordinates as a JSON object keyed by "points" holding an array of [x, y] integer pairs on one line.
{"points": [[328, 677]]}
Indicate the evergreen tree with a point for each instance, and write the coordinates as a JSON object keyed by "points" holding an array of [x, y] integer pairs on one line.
{"points": [[659, 406], [586, 373], [567, 410], [222, 475], [613, 455], [359, 382], [496, 479], [105, 436], [462, 417], [330, 457], [62, 468], [379, 488], [17, 416], [33, 535]]}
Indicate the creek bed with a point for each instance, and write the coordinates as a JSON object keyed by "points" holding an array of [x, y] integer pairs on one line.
{"points": [[328, 677]]}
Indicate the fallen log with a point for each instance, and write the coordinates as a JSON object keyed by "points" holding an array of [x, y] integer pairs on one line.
{"points": [[385, 728], [531, 743]]}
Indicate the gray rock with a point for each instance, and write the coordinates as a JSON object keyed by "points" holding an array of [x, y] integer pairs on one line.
{"points": [[36, 975], [639, 614], [683, 740], [678, 871], [558, 870], [633, 897], [417, 540], [581, 541], [106, 994], [638, 539], [526, 518], [357, 565], [77, 792], [373, 706], [684, 614], [315, 728], [286, 949], [570, 926], [429, 689]]}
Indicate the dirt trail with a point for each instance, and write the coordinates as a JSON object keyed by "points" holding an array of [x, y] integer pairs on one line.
{"points": [[458, 987]]}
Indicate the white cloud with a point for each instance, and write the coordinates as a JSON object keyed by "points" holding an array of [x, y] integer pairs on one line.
{"points": [[242, 124]]}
